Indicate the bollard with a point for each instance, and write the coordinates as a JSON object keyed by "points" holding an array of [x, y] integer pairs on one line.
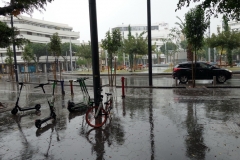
{"points": [[123, 94], [71, 86], [62, 85], [214, 80], [176, 80]]}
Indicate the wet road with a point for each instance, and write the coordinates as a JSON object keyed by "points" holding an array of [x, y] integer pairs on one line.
{"points": [[186, 123]]}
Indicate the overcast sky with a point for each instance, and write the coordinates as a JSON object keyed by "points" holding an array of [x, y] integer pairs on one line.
{"points": [[111, 13]]}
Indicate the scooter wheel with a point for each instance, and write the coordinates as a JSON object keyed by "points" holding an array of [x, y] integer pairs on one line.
{"points": [[38, 123], [37, 107], [14, 111]]}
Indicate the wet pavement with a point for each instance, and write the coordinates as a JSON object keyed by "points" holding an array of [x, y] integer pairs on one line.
{"points": [[149, 123]]}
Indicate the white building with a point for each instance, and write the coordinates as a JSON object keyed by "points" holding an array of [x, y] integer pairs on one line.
{"points": [[159, 30], [39, 31], [234, 25]]}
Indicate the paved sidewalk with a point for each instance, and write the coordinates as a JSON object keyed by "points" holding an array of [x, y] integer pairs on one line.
{"points": [[149, 123]]}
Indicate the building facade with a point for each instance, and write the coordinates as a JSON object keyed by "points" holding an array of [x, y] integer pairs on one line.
{"points": [[39, 31], [159, 31]]}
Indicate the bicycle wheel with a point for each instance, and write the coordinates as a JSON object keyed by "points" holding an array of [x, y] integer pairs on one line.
{"points": [[99, 120]]}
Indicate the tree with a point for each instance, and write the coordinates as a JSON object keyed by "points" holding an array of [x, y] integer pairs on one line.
{"points": [[9, 60], [85, 55], [65, 50], [8, 36], [188, 46], [27, 56], [226, 40], [196, 25], [170, 46], [230, 8], [38, 50], [15, 7], [111, 43], [55, 48]]}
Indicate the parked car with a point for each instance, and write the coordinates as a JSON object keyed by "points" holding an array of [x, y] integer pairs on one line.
{"points": [[183, 71]]}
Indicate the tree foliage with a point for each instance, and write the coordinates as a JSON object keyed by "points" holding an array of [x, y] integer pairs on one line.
{"points": [[16, 7], [55, 45], [230, 8], [226, 40], [85, 55], [112, 43], [9, 60], [135, 45], [38, 49], [27, 54], [65, 47], [8, 36], [196, 25]]}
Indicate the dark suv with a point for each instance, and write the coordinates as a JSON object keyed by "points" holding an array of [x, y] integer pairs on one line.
{"points": [[183, 71]]}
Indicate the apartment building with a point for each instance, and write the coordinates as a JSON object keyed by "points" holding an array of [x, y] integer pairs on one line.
{"points": [[39, 31]]}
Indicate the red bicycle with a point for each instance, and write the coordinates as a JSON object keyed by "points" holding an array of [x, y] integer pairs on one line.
{"points": [[96, 116]]}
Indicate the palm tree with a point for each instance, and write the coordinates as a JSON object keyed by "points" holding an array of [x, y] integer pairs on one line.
{"points": [[182, 26]]}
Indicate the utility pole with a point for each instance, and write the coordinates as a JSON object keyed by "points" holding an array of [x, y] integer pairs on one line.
{"points": [[149, 42], [94, 47]]}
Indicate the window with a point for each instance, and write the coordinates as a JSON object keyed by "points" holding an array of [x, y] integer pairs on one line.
{"points": [[154, 27], [29, 33]]}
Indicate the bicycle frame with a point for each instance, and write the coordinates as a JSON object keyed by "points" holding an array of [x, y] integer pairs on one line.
{"points": [[96, 116]]}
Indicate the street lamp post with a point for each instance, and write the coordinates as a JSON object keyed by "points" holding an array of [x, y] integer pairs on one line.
{"points": [[122, 47]]}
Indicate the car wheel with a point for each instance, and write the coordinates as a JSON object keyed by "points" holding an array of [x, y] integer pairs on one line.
{"points": [[183, 79], [221, 78]]}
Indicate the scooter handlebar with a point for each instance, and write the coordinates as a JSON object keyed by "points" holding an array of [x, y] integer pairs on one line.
{"points": [[79, 79], [41, 85], [54, 80]]}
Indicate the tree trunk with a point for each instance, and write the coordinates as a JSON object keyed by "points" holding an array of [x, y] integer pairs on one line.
{"points": [[54, 71], [189, 53]]}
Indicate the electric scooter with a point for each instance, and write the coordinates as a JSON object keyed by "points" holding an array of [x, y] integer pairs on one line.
{"points": [[81, 106], [17, 107], [52, 115]]}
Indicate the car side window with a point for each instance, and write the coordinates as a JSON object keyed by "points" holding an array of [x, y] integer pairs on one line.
{"points": [[203, 65]]}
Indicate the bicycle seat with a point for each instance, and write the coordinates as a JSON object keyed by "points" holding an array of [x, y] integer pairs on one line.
{"points": [[108, 94]]}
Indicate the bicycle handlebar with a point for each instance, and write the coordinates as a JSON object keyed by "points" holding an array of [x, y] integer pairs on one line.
{"points": [[41, 85]]}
